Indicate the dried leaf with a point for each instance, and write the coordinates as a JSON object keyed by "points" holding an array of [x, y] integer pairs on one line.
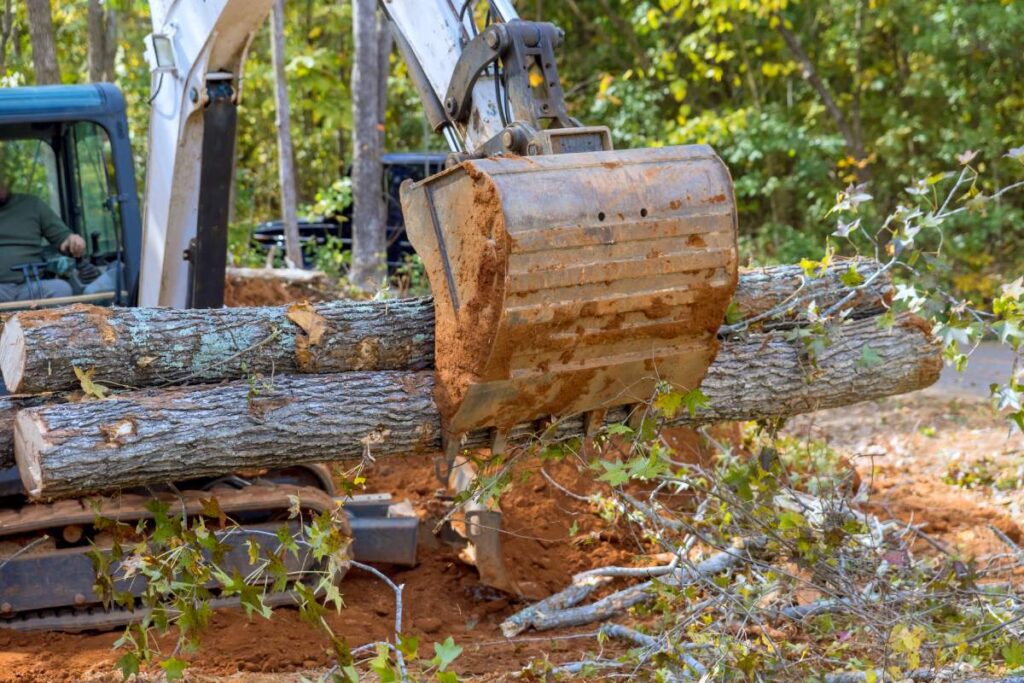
{"points": [[90, 388], [311, 322]]}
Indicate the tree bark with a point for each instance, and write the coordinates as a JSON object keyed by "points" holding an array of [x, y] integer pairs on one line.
{"points": [[149, 437], [44, 49], [368, 233], [285, 151], [102, 23], [145, 347]]}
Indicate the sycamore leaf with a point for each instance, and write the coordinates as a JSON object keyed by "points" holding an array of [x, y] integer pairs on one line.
{"points": [[618, 429], [966, 157], [852, 277], [667, 403], [1015, 289], [211, 508], [1009, 332], [409, 646], [1013, 655], [615, 473], [445, 653], [694, 400], [90, 388], [174, 668], [311, 322], [844, 229], [128, 663]]}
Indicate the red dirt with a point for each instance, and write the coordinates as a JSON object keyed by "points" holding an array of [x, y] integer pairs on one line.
{"points": [[442, 595], [240, 291]]}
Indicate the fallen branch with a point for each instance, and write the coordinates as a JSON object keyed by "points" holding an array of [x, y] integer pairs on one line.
{"points": [[550, 616]]}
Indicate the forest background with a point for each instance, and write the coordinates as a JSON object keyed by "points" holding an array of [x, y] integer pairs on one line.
{"points": [[800, 98]]}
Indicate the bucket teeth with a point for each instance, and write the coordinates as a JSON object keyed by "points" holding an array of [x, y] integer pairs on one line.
{"points": [[574, 282]]}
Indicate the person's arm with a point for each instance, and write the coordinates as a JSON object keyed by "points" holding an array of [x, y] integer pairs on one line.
{"points": [[56, 232]]}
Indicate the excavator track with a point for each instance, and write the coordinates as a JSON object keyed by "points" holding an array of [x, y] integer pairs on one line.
{"points": [[52, 589]]}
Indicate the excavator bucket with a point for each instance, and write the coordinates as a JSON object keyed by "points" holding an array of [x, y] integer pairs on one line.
{"points": [[570, 283]]}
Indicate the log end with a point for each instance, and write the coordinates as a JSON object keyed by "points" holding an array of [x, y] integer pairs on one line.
{"points": [[12, 354], [28, 446]]}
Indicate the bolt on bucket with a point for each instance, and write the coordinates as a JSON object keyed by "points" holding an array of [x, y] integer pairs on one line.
{"points": [[573, 282]]}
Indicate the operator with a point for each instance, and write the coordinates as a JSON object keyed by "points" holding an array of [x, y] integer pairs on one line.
{"points": [[25, 220]]}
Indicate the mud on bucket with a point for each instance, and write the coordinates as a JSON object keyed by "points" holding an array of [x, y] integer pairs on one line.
{"points": [[573, 282]]}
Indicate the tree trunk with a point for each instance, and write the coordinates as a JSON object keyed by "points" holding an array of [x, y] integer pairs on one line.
{"points": [[385, 44], [285, 152], [368, 234], [44, 49], [144, 347], [149, 437], [102, 23], [6, 32]]}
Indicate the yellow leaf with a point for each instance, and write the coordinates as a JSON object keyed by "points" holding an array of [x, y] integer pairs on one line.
{"points": [[535, 79], [90, 388], [311, 322]]}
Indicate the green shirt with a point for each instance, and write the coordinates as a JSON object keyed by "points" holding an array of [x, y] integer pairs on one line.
{"points": [[25, 220]]}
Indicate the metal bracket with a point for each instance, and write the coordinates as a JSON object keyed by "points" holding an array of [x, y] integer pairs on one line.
{"points": [[526, 51]]}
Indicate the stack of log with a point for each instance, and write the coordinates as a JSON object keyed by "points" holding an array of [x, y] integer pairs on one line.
{"points": [[205, 392]]}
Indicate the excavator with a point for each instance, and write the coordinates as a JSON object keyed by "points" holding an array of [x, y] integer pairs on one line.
{"points": [[568, 277]]}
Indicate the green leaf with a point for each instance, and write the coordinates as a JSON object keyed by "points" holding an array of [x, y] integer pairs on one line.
{"points": [[409, 646], [615, 473], [174, 668], [1013, 655], [128, 663], [618, 429], [852, 277], [381, 665], [445, 653], [447, 677], [733, 314], [694, 400], [667, 403]]}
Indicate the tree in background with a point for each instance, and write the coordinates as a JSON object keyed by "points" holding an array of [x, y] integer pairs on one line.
{"points": [[368, 211], [102, 22], [44, 49], [285, 152]]}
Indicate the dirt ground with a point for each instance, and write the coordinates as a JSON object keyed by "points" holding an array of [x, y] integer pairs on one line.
{"points": [[905, 448]]}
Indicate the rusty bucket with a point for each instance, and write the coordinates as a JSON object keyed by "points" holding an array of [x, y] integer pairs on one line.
{"points": [[573, 282]]}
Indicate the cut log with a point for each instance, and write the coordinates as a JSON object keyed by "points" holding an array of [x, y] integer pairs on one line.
{"points": [[154, 436], [137, 348], [9, 407], [141, 347]]}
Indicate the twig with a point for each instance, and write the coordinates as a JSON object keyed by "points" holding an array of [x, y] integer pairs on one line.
{"points": [[397, 588], [24, 549]]}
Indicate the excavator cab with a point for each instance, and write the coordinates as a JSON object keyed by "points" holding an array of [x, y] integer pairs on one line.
{"points": [[69, 147]]}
